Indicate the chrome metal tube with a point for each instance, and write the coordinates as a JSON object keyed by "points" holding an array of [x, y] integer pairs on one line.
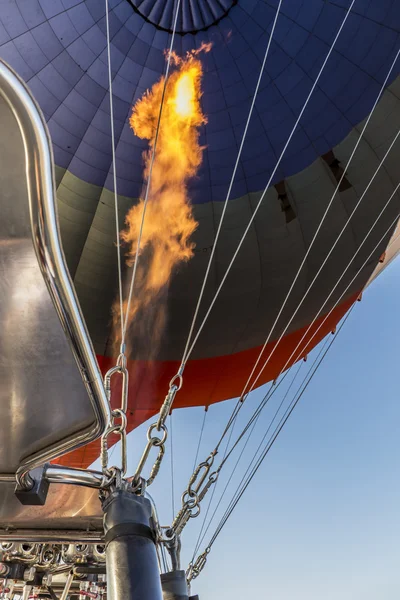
{"points": [[7, 477], [131, 560], [174, 586], [88, 478], [50, 256], [59, 536], [67, 586]]}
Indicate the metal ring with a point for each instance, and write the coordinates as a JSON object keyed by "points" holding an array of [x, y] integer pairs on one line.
{"points": [[172, 382], [122, 361], [190, 498], [213, 477], [194, 515], [156, 441], [113, 429], [112, 371], [118, 413], [110, 476]]}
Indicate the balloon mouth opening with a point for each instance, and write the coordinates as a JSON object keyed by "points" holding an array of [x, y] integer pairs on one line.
{"points": [[190, 20]]}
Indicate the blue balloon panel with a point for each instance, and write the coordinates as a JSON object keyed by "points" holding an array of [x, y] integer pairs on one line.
{"points": [[59, 48]]}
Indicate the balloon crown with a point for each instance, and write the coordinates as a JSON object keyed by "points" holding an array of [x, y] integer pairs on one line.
{"points": [[194, 15]]}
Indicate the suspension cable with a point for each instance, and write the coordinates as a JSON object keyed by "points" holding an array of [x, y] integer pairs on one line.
{"points": [[173, 387], [217, 481], [393, 223], [172, 466], [273, 388], [342, 295], [228, 194], [321, 223], [213, 477], [118, 420], [200, 437], [329, 254], [153, 154], [275, 434], [190, 350], [118, 242], [195, 568], [294, 402], [337, 283], [289, 360], [254, 423], [245, 393]]}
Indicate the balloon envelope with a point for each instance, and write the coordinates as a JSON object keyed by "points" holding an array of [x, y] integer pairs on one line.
{"points": [[59, 47]]}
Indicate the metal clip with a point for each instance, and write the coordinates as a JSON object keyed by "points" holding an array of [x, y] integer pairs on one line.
{"points": [[205, 466], [151, 443], [122, 370], [166, 407], [195, 569], [117, 413], [211, 480]]}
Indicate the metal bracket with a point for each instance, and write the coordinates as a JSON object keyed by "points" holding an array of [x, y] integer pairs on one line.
{"points": [[36, 494]]}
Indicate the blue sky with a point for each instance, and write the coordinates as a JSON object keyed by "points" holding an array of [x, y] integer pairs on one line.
{"points": [[321, 517]]}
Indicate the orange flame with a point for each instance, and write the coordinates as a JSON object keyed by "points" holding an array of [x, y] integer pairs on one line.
{"points": [[169, 222]]}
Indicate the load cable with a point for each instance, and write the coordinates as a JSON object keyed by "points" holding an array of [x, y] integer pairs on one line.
{"points": [[153, 155], [193, 570], [190, 349], [124, 319], [244, 395], [200, 437], [333, 289], [391, 226], [181, 369], [254, 421], [118, 242], [274, 436], [244, 392], [228, 194], [242, 487], [259, 409], [382, 89]]}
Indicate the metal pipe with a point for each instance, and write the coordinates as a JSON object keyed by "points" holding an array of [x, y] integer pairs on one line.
{"points": [[174, 585], [7, 478], [131, 559], [85, 477], [47, 243], [60, 474], [57, 536], [67, 586]]}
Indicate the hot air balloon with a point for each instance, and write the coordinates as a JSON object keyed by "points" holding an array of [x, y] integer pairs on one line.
{"points": [[60, 50], [227, 186]]}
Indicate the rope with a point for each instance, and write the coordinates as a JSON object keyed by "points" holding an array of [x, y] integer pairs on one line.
{"points": [[244, 394], [273, 388], [255, 421], [172, 467], [319, 228], [215, 485], [200, 438], [349, 285], [273, 438], [339, 280], [393, 223], [190, 350], [146, 199], [267, 396], [327, 257], [257, 413], [185, 352], [114, 172]]}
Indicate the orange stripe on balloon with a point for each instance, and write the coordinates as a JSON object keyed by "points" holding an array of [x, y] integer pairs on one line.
{"points": [[206, 381]]}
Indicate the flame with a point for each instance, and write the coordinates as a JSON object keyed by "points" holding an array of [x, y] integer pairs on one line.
{"points": [[169, 222]]}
